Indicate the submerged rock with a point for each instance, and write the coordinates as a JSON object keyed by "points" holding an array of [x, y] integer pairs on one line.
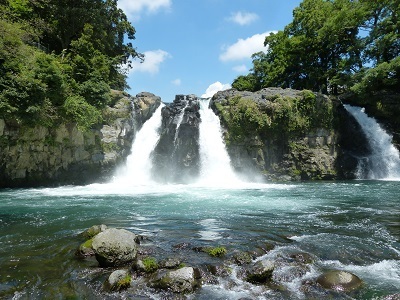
{"points": [[178, 281], [339, 280], [115, 247], [261, 271]]}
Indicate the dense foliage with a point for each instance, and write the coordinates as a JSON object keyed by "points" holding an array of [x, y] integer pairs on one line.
{"points": [[332, 46], [59, 59]]}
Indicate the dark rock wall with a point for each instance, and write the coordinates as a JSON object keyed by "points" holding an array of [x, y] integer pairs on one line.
{"points": [[176, 157]]}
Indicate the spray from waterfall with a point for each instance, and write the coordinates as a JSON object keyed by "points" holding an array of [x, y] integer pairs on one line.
{"points": [[215, 162], [384, 161], [138, 164]]}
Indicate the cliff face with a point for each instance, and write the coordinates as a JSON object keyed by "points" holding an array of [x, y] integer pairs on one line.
{"points": [[289, 134], [176, 156], [41, 156]]}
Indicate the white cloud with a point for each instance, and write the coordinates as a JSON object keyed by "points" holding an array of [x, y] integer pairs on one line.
{"points": [[240, 69], [244, 48], [176, 82], [243, 18], [215, 87], [152, 62], [134, 7]]}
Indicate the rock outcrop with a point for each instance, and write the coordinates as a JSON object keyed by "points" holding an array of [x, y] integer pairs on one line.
{"points": [[41, 156], [176, 157], [286, 134]]}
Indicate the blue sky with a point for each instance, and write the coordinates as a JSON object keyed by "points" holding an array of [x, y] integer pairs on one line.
{"points": [[199, 46]]}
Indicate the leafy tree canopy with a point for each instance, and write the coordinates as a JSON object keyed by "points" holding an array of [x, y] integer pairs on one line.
{"points": [[330, 45], [58, 56]]}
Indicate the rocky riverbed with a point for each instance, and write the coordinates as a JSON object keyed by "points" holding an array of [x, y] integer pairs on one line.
{"points": [[133, 266]]}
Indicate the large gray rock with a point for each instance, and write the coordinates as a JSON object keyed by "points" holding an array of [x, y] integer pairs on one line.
{"points": [[176, 157], [339, 280], [115, 247], [178, 281]]}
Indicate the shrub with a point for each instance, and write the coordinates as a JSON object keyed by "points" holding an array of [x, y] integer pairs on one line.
{"points": [[81, 112], [150, 264]]}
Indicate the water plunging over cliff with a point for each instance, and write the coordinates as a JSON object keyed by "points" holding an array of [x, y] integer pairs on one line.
{"points": [[384, 161], [215, 162], [138, 164]]}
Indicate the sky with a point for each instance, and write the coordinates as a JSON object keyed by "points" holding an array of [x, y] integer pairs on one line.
{"points": [[199, 46]]}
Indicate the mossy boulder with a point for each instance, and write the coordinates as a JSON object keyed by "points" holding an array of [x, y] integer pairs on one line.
{"points": [[340, 281], [115, 247], [118, 280], [146, 265], [85, 249], [94, 230]]}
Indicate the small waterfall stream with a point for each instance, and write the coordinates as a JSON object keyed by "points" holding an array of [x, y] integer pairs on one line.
{"points": [[384, 161], [180, 119], [138, 164]]}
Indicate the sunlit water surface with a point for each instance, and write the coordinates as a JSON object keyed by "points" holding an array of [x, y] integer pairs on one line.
{"points": [[352, 226]]}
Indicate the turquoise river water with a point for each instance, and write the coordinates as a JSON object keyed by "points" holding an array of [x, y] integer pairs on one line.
{"points": [[352, 226]]}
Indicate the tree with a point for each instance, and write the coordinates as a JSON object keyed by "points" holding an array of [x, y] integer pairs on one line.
{"points": [[322, 48]]}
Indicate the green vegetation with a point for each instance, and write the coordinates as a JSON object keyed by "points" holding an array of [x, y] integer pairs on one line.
{"points": [[88, 243], [150, 264], [215, 251], [331, 47], [123, 283], [279, 116], [55, 67]]}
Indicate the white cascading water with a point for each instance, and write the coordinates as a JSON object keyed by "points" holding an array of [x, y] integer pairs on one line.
{"points": [[216, 167], [180, 119], [384, 161], [138, 163]]}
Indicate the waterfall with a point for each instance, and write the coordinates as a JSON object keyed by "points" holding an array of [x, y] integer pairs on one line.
{"points": [[384, 161], [215, 162], [179, 122], [138, 164]]}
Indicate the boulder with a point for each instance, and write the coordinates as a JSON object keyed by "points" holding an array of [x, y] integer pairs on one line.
{"points": [[178, 281], [115, 247], [118, 280], [261, 271], [339, 280]]}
